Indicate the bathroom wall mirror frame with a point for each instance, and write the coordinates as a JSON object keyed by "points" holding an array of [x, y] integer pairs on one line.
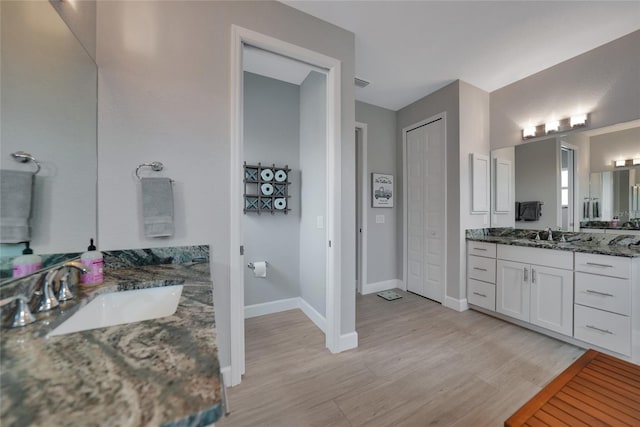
{"points": [[49, 109], [540, 173]]}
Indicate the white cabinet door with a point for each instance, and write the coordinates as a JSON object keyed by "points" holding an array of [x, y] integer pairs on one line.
{"points": [[552, 299], [512, 289], [479, 183], [503, 178]]}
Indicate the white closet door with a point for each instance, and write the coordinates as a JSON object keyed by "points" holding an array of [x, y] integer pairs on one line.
{"points": [[426, 210]]}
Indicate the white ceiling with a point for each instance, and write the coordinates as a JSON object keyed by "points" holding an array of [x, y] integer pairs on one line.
{"points": [[408, 49]]}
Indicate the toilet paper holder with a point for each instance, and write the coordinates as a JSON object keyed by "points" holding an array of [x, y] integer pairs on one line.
{"points": [[252, 267]]}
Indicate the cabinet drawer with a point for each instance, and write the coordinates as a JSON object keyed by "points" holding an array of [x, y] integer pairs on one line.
{"points": [[604, 329], [538, 256], [481, 249], [606, 265], [606, 293], [481, 268], [481, 294]]}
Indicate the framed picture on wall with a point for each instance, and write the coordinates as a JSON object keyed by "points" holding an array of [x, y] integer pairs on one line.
{"points": [[381, 190]]}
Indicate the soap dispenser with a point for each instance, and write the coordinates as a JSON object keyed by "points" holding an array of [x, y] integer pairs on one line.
{"points": [[27, 263], [93, 260]]}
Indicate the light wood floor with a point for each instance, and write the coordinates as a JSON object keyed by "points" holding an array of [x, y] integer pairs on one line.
{"points": [[417, 364]]}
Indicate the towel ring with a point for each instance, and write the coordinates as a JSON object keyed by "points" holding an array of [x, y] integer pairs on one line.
{"points": [[155, 166], [24, 157]]}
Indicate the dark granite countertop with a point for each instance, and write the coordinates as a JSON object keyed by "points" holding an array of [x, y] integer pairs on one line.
{"points": [[157, 372], [602, 244]]}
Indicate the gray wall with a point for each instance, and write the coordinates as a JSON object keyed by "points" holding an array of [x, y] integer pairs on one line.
{"points": [[271, 136], [604, 81], [624, 144], [81, 17], [165, 94], [313, 190], [382, 242], [446, 100], [537, 179]]}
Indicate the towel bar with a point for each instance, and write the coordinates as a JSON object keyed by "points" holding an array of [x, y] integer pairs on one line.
{"points": [[24, 157]]}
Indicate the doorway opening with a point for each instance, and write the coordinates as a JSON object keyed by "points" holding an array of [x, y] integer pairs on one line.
{"points": [[567, 187], [330, 146], [362, 191]]}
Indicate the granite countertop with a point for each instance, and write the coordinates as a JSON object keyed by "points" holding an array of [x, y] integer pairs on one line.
{"points": [[602, 244], [160, 372]]}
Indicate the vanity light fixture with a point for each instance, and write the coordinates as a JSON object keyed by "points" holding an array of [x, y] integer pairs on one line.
{"points": [[620, 163], [578, 120], [529, 132], [562, 125], [552, 126], [636, 162]]}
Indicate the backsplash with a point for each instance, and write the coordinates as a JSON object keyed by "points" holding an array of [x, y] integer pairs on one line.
{"points": [[117, 259]]}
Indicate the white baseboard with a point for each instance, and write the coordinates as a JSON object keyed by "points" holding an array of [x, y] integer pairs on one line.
{"points": [[318, 319], [370, 288], [348, 341], [226, 375], [256, 310], [456, 304]]}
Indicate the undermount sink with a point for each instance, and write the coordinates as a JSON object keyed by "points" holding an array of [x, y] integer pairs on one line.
{"points": [[118, 308]]}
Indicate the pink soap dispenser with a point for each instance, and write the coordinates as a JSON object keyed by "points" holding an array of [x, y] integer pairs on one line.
{"points": [[93, 260], [27, 263]]}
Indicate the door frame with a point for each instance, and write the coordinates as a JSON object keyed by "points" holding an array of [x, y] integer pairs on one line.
{"points": [[573, 183], [239, 37], [362, 241], [405, 213]]}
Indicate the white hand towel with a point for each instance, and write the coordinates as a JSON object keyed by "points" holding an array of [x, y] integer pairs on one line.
{"points": [[16, 189], [157, 207]]}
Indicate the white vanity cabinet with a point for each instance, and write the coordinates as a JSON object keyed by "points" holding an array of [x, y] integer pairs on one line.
{"points": [[542, 293], [604, 301], [481, 274]]}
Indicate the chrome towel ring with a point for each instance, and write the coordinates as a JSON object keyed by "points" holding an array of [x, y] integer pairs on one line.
{"points": [[24, 157], [155, 166]]}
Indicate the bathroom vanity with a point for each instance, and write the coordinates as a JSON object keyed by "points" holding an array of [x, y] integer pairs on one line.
{"points": [[163, 371], [586, 292]]}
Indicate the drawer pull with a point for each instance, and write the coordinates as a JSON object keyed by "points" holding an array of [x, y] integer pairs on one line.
{"points": [[595, 264], [604, 331], [604, 294], [480, 249], [479, 294], [478, 268]]}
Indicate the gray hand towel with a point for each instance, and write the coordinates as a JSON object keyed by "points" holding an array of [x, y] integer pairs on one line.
{"points": [[157, 207], [16, 189]]}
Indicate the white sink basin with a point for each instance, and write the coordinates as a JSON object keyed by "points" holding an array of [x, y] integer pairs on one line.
{"points": [[118, 308]]}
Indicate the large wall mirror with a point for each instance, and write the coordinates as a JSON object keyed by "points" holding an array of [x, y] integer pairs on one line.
{"points": [[49, 110], [570, 181]]}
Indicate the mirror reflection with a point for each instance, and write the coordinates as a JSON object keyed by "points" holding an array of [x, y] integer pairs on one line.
{"points": [[49, 105], [578, 181]]}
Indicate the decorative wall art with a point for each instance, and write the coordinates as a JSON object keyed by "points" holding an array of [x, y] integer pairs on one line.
{"points": [[381, 190], [266, 188]]}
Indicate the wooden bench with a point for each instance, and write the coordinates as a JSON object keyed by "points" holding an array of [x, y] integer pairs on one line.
{"points": [[596, 390]]}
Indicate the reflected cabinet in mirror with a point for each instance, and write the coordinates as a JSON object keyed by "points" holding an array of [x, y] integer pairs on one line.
{"points": [[571, 181], [49, 106]]}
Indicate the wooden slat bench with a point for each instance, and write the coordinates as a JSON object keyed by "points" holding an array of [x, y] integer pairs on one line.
{"points": [[596, 390]]}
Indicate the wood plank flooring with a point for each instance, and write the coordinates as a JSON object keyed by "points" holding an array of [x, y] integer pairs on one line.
{"points": [[417, 364]]}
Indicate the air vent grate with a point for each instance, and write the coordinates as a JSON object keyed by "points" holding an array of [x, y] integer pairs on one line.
{"points": [[360, 82]]}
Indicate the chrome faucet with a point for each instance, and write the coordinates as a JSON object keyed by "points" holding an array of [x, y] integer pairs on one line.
{"points": [[43, 296], [21, 315], [549, 235]]}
